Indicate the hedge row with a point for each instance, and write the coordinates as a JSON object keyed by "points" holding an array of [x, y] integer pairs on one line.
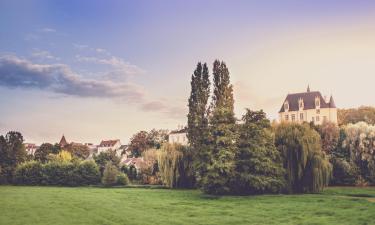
{"points": [[57, 173]]}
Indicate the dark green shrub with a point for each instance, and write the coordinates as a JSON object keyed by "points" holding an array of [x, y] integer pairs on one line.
{"points": [[110, 175], [87, 173], [29, 173], [122, 179], [59, 173], [344, 173]]}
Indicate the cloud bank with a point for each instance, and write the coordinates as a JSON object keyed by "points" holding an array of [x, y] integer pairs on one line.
{"points": [[59, 78]]}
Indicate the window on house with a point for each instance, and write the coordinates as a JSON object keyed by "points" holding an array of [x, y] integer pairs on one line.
{"points": [[286, 117], [318, 111], [286, 106], [293, 117], [317, 119], [317, 102], [301, 116]]}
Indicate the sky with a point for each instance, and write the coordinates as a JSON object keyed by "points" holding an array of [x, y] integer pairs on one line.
{"points": [[96, 70]]}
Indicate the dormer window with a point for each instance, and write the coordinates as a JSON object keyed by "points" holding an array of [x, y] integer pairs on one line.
{"points": [[317, 102], [286, 106], [300, 104]]}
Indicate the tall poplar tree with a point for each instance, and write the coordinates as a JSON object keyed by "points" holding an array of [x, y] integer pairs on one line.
{"points": [[197, 116], [221, 147]]}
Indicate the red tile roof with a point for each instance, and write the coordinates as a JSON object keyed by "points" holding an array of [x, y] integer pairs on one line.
{"points": [[108, 143]]}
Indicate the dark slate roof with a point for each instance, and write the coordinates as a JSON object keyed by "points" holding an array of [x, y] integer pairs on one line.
{"points": [[183, 130], [308, 100]]}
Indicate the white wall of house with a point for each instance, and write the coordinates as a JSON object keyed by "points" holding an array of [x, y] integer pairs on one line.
{"points": [[115, 147], [178, 138], [318, 116]]}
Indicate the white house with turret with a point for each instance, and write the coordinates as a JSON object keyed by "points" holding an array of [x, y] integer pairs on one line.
{"points": [[308, 106]]}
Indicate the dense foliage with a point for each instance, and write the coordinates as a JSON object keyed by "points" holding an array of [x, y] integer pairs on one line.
{"points": [[110, 175], [143, 140], [361, 114], [221, 147], [197, 119], [59, 173], [104, 157], [12, 153], [258, 164], [307, 168]]}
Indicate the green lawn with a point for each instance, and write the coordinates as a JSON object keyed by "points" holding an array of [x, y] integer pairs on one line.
{"points": [[58, 205]]}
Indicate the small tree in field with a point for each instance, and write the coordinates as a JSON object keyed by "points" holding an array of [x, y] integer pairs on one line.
{"points": [[110, 175]]}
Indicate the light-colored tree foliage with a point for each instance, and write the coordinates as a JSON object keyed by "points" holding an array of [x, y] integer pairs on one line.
{"points": [[169, 158], [360, 141]]}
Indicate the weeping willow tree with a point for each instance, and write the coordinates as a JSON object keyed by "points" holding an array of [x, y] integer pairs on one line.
{"points": [[169, 158], [307, 168]]}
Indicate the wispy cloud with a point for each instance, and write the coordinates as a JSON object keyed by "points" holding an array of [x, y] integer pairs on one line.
{"points": [[47, 30], [43, 54], [80, 46]]}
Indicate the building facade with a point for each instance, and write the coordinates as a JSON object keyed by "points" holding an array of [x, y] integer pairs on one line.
{"points": [[178, 137], [309, 106], [106, 145]]}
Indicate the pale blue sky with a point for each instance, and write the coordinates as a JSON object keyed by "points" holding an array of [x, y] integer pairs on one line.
{"points": [[96, 70]]}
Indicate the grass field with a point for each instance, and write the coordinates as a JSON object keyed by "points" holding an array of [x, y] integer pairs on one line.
{"points": [[58, 205]]}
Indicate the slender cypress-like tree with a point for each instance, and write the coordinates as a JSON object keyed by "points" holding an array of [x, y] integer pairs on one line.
{"points": [[197, 117], [307, 168], [221, 146]]}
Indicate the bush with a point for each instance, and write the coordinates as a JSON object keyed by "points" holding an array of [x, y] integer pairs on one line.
{"points": [[343, 172], [29, 173], [59, 173], [122, 179], [88, 173], [110, 175]]}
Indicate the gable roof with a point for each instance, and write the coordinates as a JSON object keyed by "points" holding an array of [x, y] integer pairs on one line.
{"points": [[308, 101], [108, 143]]}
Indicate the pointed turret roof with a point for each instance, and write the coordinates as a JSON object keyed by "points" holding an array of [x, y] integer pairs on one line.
{"points": [[332, 103], [63, 141], [308, 88]]}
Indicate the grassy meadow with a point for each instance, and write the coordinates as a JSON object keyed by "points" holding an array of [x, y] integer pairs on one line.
{"points": [[90, 205]]}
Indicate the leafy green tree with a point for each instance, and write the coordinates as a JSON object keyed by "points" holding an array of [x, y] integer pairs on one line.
{"points": [[12, 153], [104, 157], [259, 167], [41, 154], [78, 150], [329, 133], [221, 146], [197, 117], [110, 175], [307, 168]]}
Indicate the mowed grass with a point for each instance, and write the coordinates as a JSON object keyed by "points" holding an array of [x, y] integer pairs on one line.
{"points": [[89, 205]]}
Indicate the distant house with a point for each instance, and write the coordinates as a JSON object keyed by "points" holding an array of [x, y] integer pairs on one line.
{"points": [[30, 148], [106, 145], [309, 106], [178, 136], [136, 162]]}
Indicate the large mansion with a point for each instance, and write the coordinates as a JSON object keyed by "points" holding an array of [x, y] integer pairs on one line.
{"points": [[308, 106]]}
